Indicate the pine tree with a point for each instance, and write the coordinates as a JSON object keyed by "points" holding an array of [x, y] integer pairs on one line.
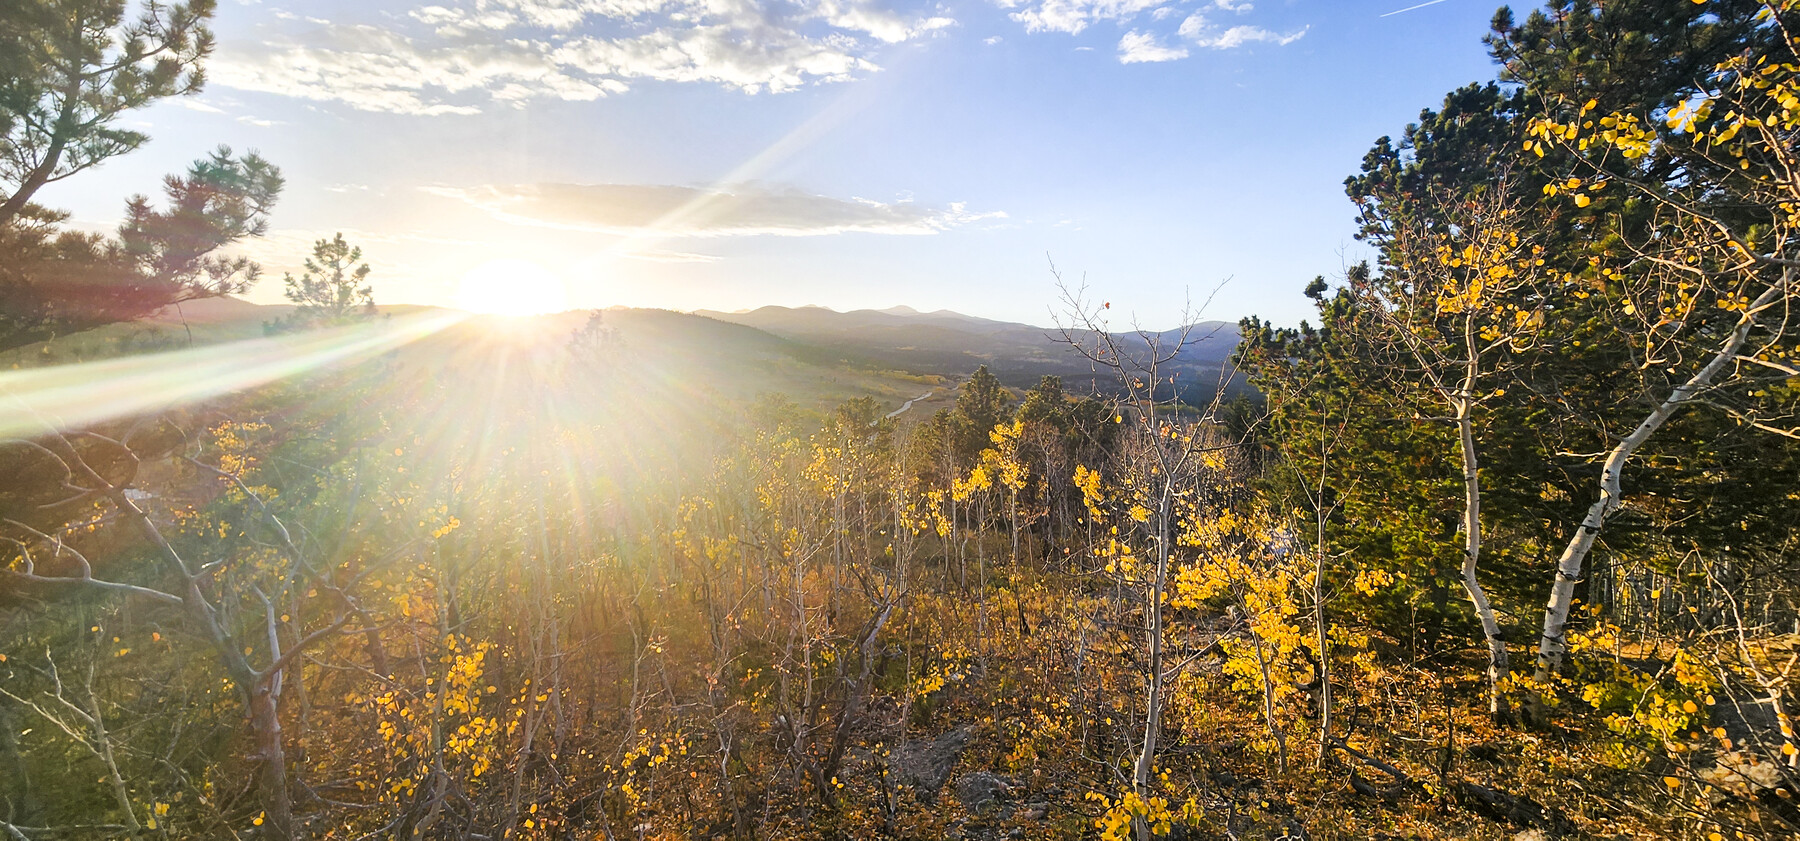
{"points": [[332, 291], [69, 70]]}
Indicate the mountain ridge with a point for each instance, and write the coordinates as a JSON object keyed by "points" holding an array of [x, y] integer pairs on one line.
{"points": [[950, 343]]}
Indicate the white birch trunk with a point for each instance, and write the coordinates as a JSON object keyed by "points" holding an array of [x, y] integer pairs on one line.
{"points": [[1498, 667], [1145, 767], [1553, 645]]}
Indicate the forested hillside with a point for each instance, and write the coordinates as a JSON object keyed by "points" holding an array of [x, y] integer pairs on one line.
{"points": [[1502, 545], [945, 342]]}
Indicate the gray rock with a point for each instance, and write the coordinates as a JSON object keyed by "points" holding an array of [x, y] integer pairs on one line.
{"points": [[925, 765], [986, 795]]}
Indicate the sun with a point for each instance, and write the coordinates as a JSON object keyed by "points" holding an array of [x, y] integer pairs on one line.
{"points": [[512, 287]]}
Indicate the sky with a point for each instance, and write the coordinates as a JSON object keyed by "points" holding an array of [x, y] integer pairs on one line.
{"points": [[730, 154]]}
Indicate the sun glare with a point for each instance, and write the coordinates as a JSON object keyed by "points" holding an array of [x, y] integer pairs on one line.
{"points": [[512, 287]]}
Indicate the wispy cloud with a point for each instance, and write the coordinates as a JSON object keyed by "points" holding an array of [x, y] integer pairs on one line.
{"points": [[374, 69], [193, 104], [1139, 47], [462, 57], [1146, 43], [1073, 16], [1204, 33], [676, 211]]}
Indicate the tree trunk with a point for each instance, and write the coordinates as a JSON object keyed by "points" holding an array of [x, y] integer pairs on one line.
{"points": [[265, 727], [1553, 645], [59, 141], [1320, 624], [1145, 768], [1498, 667], [1268, 698]]}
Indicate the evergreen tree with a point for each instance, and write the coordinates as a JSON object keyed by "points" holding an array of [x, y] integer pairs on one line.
{"points": [[980, 406], [69, 69], [332, 291]]}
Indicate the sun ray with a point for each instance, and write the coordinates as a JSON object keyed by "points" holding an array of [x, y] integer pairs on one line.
{"points": [[803, 136]]}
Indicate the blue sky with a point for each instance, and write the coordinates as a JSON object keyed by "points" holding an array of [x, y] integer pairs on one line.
{"points": [[727, 154]]}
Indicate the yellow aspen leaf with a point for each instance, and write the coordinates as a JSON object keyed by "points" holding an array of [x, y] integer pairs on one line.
{"points": [[1581, 200], [1672, 782]]}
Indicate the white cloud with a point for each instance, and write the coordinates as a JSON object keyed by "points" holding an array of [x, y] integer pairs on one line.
{"points": [[193, 104], [259, 122], [1205, 34], [460, 56], [772, 61], [991, 40], [1138, 47], [1073, 16], [374, 69], [883, 24], [673, 211]]}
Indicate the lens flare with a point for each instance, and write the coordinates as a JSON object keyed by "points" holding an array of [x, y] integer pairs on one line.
{"points": [[37, 400]]}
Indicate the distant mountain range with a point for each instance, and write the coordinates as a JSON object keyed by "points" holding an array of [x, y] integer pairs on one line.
{"points": [[952, 344]]}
